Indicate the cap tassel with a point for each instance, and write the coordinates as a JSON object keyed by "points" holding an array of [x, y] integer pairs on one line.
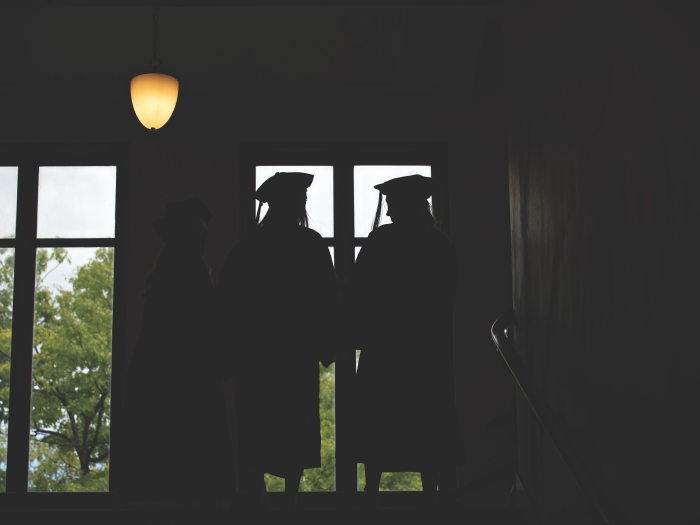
{"points": [[378, 214], [257, 215]]}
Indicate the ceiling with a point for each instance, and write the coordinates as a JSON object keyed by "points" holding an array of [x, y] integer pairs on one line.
{"points": [[239, 51]]}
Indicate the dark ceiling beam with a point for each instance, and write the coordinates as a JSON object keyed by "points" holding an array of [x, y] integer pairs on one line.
{"points": [[237, 3]]}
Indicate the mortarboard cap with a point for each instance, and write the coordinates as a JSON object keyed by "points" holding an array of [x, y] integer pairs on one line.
{"points": [[411, 186], [282, 182], [177, 213]]}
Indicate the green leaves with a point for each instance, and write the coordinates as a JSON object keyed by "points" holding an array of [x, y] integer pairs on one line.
{"points": [[394, 480], [71, 371], [7, 270], [323, 479]]}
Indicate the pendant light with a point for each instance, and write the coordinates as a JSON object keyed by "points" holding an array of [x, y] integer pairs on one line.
{"points": [[154, 95]]}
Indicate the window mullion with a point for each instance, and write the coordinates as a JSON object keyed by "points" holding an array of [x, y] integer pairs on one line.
{"points": [[22, 330], [99, 242], [117, 478], [346, 466]]}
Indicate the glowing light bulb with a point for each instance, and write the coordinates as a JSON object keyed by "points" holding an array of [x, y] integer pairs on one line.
{"points": [[154, 96]]}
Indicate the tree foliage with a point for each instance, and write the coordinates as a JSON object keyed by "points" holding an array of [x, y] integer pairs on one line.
{"points": [[393, 480], [71, 372], [7, 270]]}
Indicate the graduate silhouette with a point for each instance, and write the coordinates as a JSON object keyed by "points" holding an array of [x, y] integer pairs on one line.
{"points": [[277, 297], [398, 304], [173, 369]]}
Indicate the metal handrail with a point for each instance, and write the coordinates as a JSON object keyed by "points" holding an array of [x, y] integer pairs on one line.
{"points": [[602, 508]]}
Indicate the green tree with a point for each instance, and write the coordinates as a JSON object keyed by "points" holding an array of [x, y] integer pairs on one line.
{"points": [[71, 372], [393, 480], [323, 479], [7, 270]]}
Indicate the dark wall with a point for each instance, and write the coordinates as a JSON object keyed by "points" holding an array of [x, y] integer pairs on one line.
{"points": [[479, 205], [603, 163]]}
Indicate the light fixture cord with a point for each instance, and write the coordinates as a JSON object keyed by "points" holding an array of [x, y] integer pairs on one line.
{"points": [[155, 61]]}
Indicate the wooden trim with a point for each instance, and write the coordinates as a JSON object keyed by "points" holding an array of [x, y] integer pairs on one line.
{"points": [[119, 322], [22, 330], [345, 463]]}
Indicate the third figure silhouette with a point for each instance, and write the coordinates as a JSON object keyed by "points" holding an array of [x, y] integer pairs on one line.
{"points": [[278, 293], [172, 371], [399, 300]]}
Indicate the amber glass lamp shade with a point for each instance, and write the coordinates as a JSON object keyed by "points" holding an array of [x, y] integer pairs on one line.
{"points": [[154, 96]]}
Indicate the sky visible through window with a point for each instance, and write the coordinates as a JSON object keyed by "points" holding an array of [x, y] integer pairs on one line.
{"points": [[8, 201], [79, 202], [76, 201]]}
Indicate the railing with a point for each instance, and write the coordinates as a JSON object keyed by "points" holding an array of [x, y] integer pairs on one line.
{"points": [[604, 510]]}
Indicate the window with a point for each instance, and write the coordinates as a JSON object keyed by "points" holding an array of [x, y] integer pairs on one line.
{"points": [[62, 249], [341, 207]]}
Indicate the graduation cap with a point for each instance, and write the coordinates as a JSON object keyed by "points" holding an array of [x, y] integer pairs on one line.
{"points": [[179, 214], [411, 187], [281, 183], [415, 187]]}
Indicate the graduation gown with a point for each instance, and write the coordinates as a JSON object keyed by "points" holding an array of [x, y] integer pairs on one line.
{"points": [[399, 305], [175, 417], [277, 293]]}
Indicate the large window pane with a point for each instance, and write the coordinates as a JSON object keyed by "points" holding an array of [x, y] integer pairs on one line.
{"points": [[71, 369], [366, 197], [319, 205], [76, 201], [7, 271], [8, 201]]}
